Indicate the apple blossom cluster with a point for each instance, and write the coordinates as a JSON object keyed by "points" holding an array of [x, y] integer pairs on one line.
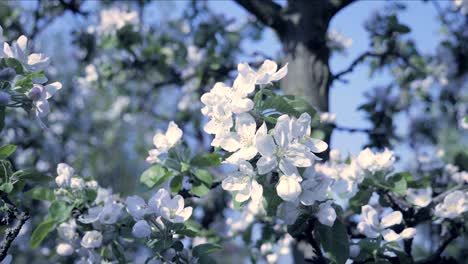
{"points": [[23, 72], [159, 205], [101, 208]]}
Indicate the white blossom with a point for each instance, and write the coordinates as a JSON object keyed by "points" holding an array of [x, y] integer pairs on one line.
{"points": [[374, 162], [164, 142], [314, 187], [453, 205], [110, 213], [243, 183], [267, 73], [91, 239], [419, 197], [243, 141], [171, 209], [289, 146], [371, 227], [137, 207], [40, 94], [19, 50]]}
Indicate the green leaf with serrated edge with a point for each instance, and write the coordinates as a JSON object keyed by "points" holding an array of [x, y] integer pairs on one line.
{"points": [[6, 151], [41, 193], [204, 176], [176, 183], [31, 175], [60, 211], [205, 249], [154, 176], [199, 189], [41, 232], [334, 241]]}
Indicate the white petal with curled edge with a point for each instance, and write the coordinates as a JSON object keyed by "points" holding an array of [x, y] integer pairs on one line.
{"points": [[316, 145], [288, 188], [390, 235], [280, 73], [391, 219], [230, 142], [266, 164], [326, 214], [408, 233], [257, 191], [367, 230], [173, 133], [265, 145], [52, 88], [245, 125], [370, 215], [233, 184]]}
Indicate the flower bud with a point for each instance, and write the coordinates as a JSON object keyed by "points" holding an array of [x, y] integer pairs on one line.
{"points": [[7, 74], [64, 249], [35, 93], [4, 98], [92, 239], [141, 229]]}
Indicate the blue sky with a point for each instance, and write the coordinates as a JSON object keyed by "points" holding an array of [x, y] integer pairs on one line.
{"points": [[345, 98]]}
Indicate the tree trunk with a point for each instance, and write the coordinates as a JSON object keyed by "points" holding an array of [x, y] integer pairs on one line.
{"points": [[306, 51]]}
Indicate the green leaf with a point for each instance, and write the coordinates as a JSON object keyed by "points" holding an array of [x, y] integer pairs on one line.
{"points": [[178, 246], [41, 193], [299, 226], [154, 176], [205, 249], [60, 211], [13, 63], [207, 160], [361, 198], [398, 183], [32, 175], [204, 176], [24, 85], [162, 245], [6, 151], [118, 251], [41, 232], [199, 189], [271, 201], [6, 187], [334, 241], [176, 183]]}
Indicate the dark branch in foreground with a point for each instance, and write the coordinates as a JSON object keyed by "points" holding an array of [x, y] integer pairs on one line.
{"points": [[266, 11], [12, 232]]}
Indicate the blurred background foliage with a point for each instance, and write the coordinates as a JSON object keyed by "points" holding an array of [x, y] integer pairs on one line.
{"points": [[128, 67]]}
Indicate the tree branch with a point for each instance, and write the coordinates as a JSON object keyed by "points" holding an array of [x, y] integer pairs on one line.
{"points": [[356, 62], [12, 232], [266, 11]]}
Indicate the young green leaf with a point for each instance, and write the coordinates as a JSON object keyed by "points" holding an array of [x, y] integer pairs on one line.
{"points": [[41, 232]]}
